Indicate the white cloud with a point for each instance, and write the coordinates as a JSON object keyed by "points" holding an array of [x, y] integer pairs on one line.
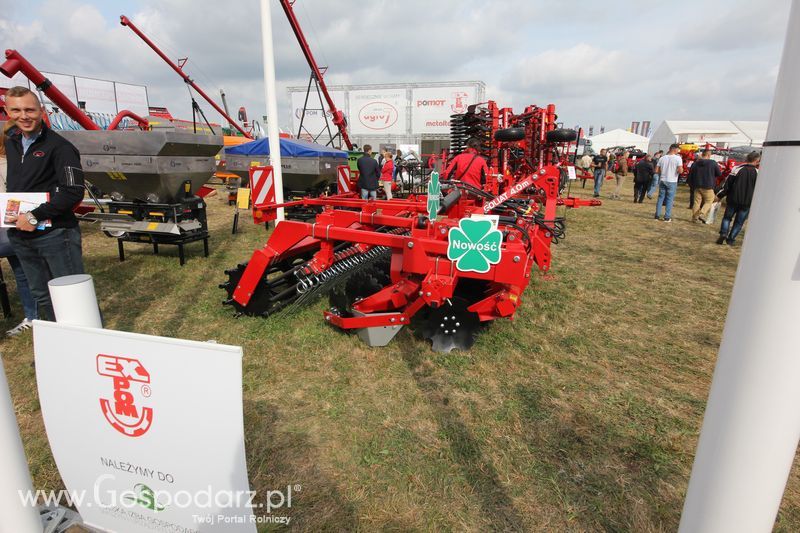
{"points": [[599, 63], [578, 70]]}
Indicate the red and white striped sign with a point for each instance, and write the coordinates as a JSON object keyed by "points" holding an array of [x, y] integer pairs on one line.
{"points": [[262, 181], [343, 183]]}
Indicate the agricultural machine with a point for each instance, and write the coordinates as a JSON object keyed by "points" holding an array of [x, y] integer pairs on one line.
{"points": [[727, 158], [443, 263]]}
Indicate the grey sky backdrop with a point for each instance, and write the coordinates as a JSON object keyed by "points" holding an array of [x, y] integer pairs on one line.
{"points": [[602, 63]]}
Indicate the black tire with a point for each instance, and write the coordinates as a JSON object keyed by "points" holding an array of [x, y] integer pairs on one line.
{"points": [[561, 135], [510, 134]]}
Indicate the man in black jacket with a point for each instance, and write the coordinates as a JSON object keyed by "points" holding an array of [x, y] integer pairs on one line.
{"points": [[738, 189], [47, 239], [368, 174], [642, 176], [703, 177]]}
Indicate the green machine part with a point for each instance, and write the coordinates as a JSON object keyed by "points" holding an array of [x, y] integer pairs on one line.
{"points": [[352, 158]]}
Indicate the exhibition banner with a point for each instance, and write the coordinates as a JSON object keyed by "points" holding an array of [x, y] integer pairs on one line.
{"points": [[98, 95], [65, 84], [431, 107], [133, 98], [378, 111], [147, 432], [314, 120]]}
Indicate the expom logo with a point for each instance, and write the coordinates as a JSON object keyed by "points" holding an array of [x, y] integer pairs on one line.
{"points": [[378, 115], [474, 245], [131, 382]]}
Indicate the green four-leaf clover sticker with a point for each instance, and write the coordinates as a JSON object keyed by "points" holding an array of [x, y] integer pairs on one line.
{"points": [[474, 245], [434, 192]]}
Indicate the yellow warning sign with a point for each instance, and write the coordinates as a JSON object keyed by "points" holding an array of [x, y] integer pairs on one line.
{"points": [[243, 198]]}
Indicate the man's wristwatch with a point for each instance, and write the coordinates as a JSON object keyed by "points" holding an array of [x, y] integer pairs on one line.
{"points": [[31, 219]]}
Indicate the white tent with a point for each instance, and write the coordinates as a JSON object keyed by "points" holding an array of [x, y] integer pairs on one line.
{"points": [[618, 137], [721, 133]]}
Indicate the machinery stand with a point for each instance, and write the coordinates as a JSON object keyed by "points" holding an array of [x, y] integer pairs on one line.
{"points": [[155, 240]]}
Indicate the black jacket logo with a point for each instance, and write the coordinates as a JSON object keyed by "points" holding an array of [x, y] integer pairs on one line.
{"points": [[38, 153]]}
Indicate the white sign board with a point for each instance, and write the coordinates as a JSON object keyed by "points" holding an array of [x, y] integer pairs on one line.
{"points": [[431, 107], [65, 84], [314, 120], [378, 111], [149, 429], [17, 79], [98, 95], [133, 98]]}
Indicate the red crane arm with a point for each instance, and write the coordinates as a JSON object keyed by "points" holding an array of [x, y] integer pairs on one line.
{"points": [[16, 63], [338, 116], [125, 21]]}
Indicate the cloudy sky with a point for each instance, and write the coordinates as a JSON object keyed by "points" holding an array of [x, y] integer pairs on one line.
{"points": [[602, 63]]}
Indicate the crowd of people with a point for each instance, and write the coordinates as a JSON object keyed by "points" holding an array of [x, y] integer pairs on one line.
{"points": [[657, 175]]}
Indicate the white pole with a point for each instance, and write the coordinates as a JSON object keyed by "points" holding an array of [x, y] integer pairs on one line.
{"points": [[272, 103], [74, 301], [752, 421], [15, 481]]}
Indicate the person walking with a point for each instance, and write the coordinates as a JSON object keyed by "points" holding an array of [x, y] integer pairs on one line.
{"points": [[7, 251], [599, 166], [654, 182], [620, 174], [46, 239], [642, 176], [738, 189], [398, 158], [703, 175], [669, 168], [387, 173], [368, 174]]}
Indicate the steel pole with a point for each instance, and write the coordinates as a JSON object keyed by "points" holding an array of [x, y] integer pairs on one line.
{"points": [[270, 93], [16, 480], [752, 421]]}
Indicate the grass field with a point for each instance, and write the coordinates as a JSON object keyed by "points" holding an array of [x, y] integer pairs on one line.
{"points": [[580, 415]]}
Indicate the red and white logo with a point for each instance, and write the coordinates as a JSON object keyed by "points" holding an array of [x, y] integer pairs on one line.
{"points": [[38, 153], [459, 102], [124, 412], [378, 115]]}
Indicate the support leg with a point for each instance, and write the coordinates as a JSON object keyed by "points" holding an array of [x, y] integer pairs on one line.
{"points": [[121, 248], [181, 255]]}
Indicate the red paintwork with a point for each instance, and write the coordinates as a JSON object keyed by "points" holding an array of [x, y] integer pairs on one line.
{"points": [[421, 273]]}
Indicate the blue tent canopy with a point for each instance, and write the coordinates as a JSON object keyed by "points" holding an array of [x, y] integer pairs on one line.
{"points": [[289, 148]]}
